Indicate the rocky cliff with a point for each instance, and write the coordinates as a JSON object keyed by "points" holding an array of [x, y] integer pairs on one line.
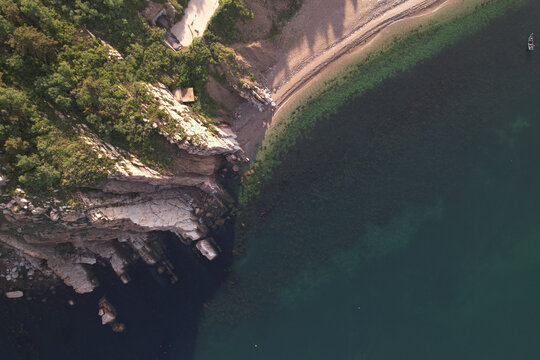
{"points": [[115, 221]]}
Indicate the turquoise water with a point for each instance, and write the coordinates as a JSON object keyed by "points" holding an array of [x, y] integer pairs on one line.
{"points": [[407, 226]]}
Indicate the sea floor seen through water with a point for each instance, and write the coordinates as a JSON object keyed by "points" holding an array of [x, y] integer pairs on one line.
{"points": [[406, 226]]}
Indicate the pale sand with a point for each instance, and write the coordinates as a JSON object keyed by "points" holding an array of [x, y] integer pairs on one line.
{"points": [[318, 42], [194, 21]]}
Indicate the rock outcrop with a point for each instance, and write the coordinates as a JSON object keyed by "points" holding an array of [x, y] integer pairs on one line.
{"points": [[115, 221], [107, 312], [197, 136]]}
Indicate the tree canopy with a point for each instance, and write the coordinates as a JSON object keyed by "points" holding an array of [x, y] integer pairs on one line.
{"points": [[55, 73]]}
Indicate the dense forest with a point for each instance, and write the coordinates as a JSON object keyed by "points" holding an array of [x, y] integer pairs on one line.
{"points": [[55, 73]]}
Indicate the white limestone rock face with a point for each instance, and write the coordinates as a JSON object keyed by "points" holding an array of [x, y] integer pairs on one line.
{"points": [[111, 221], [126, 164], [140, 244], [67, 241], [198, 138], [130, 175], [78, 276], [159, 214], [107, 250], [74, 274]]}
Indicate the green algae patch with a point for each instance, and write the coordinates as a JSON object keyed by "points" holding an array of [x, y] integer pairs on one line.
{"points": [[397, 56]]}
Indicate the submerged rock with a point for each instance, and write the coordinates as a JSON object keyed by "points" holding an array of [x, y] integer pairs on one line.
{"points": [[118, 327]]}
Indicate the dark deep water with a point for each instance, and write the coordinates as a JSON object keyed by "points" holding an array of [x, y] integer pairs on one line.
{"points": [[407, 226]]}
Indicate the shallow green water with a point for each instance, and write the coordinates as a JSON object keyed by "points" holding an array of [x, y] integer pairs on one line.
{"points": [[402, 54], [406, 226]]}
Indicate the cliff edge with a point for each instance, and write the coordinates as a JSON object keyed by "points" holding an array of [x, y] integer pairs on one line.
{"points": [[115, 220]]}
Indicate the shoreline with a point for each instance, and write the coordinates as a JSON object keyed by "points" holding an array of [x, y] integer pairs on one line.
{"points": [[390, 50], [334, 59], [358, 48], [352, 42]]}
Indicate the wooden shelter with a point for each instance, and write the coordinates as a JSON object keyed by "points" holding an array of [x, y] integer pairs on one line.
{"points": [[184, 95]]}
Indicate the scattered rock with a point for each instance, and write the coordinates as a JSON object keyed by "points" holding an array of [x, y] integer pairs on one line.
{"points": [[108, 315], [38, 211], [118, 327], [106, 311], [14, 294], [206, 249], [54, 216]]}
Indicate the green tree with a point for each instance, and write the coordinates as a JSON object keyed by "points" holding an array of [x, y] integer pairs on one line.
{"points": [[226, 16], [15, 145], [11, 11], [57, 87], [27, 40]]}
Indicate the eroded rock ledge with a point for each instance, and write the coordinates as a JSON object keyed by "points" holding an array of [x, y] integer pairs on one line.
{"points": [[116, 221]]}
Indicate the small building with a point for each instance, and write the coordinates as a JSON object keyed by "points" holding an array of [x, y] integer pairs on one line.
{"points": [[153, 11], [184, 95]]}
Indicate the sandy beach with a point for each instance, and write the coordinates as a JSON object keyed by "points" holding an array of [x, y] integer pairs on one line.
{"points": [[317, 43]]}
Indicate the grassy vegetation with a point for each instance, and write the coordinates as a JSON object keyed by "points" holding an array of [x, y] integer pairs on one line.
{"points": [[222, 24], [404, 53]]}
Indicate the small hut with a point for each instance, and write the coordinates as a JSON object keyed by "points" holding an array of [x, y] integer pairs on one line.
{"points": [[153, 11], [184, 95]]}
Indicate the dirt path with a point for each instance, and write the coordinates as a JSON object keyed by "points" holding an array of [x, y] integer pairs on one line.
{"points": [[194, 21]]}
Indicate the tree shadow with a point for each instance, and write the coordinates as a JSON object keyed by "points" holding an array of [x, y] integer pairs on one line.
{"points": [[323, 24]]}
